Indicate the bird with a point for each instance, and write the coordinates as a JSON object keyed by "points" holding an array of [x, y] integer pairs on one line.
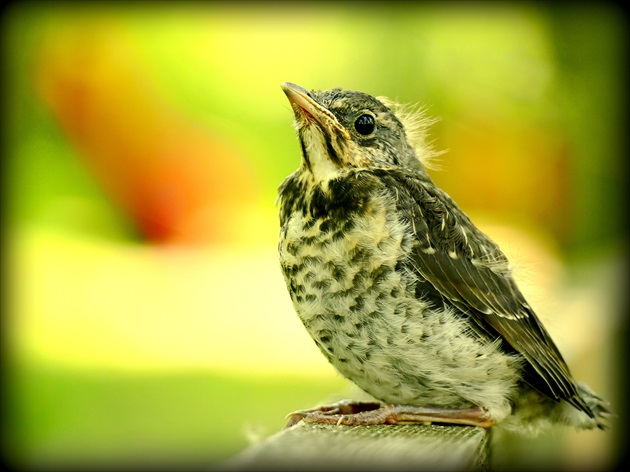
{"points": [[398, 288]]}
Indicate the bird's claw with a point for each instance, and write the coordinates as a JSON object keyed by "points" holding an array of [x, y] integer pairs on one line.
{"points": [[358, 413], [342, 407]]}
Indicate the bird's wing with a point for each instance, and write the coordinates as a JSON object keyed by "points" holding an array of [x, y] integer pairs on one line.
{"points": [[470, 271]]}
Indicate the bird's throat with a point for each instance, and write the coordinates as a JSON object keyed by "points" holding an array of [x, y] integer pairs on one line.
{"points": [[319, 156]]}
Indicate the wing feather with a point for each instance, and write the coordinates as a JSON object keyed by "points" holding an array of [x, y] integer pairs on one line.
{"points": [[469, 270]]}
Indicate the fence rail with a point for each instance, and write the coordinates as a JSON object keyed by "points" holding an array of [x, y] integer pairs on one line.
{"points": [[307, 447]]}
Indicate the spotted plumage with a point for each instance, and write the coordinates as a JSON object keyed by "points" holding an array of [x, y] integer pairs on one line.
{"points": [[399, 289]]}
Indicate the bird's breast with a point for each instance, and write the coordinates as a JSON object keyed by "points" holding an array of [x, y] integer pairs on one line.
{"points": [[342, 265], [345, 279]]}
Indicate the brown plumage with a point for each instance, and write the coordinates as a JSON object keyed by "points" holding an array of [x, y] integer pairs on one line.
{"points": [[403, 294]]}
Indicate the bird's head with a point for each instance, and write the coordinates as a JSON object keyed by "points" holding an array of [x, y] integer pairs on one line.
{"points": [[344, 129]]}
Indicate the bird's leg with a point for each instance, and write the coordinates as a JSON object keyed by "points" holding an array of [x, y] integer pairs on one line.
{"points": [[340, 408], [475, 416], [395, 414]]}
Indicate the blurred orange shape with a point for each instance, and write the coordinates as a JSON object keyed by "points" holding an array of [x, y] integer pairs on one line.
{"points": [[178, 181]]}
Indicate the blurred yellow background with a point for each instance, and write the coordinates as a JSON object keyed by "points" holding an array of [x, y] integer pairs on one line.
{"points": [[146, 319]]}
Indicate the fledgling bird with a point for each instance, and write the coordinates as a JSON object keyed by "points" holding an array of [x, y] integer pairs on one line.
{"points": [[400, 290]]}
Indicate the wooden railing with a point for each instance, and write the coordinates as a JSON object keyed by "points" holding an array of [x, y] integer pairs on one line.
{"points": [[367, 448]]}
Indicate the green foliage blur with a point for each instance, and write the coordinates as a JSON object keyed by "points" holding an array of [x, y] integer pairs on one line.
{"points": [[146, 318]]}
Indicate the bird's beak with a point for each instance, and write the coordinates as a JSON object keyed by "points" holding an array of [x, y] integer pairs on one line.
{"points": [[304, 106]]}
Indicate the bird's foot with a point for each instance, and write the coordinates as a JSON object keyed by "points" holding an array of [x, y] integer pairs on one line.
{"points": [[337, 409], [357, 413]]}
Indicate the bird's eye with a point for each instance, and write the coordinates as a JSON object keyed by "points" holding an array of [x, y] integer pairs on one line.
{"points": [[365, 124]]}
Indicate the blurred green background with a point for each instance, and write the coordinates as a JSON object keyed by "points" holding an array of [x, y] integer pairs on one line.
{"points": [[146, 320]]}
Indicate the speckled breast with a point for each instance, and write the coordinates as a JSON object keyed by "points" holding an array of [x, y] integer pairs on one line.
{"points": [[346, 282]]}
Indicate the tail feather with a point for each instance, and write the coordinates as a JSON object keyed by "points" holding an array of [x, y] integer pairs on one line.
{"points": [[602, 413], [534, 412]]}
